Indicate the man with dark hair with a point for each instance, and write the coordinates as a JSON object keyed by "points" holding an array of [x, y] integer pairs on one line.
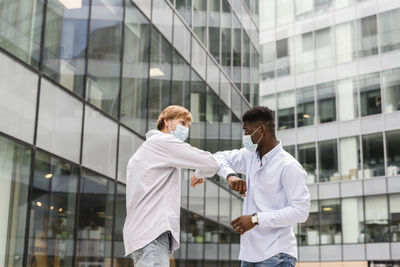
{"points": [[276, 193]]}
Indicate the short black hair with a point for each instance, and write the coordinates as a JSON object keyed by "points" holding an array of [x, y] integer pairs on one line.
{"points": [[260, 114]]}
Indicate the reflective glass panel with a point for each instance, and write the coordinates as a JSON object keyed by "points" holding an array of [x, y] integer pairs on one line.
{"points": [[331, 223], [309, 230], [328, 161], [394, 204], [135, 69], [367, 35], [286, 105], [391, 88], [347, 99], [305, 106], [326, 102], [393, 152], [104, 55], [353, 220], [65, 43], [15, 162], [345, 42], [21, 29], [53, 212], [389, 28], [370, 94], [95, 220], [376, 219], [306, 155], [372, 146], [350, 164]]}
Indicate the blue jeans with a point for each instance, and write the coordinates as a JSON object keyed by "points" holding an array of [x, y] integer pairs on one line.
{"points": [[155, 253], [279, 260]]}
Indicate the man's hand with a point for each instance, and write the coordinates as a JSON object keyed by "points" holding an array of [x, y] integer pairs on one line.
{"points": [[242, 224], [238, 184], [196, 181]]}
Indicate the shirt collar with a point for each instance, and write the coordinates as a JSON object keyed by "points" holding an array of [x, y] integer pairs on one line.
{"points": [[271, 154]]}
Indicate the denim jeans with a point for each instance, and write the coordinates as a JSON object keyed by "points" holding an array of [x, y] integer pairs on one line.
{"points": [[155, 253], [279, 260]]}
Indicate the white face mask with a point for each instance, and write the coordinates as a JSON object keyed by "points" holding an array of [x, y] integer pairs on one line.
{"points": [[248, 143], [181, 132]]}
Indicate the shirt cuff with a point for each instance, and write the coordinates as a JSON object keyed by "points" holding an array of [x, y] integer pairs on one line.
{"points": [[265, 218], [199, 174], [225, 171]]}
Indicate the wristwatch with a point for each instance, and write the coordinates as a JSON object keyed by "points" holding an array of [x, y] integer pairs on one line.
{"points": [[254, 218]]}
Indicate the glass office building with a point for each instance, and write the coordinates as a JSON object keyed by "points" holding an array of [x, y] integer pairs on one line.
{"points": [[330, 70], [81, 82]]}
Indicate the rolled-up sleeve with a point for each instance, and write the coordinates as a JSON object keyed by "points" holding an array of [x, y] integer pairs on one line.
{"points": [[293, 179]]}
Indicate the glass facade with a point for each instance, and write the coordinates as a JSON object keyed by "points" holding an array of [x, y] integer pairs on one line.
{"points": [[89, 80], [332, 66]]}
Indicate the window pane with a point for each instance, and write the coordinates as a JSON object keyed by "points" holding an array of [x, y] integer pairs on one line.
{"points": [[291, 150], [180, 93], [196, 198], [376, 219], [198, 110], [367, 36], [21, 29], [224, 207], [370, 94], [326, 102], [286, 104], [304, 52], [160, 77], [372, 146], [324, 48], [128, 144], [393, 152], [305, 106], [211, 205], [60, 122], [328, 166], [212, 118], [104, 57], [198, 58], [353, 220], [303, 8], [14, 178], [331, 227], [236, 103], [394, 204], [307, 158], [120, 214], [65, 44], [17, 99], [214, 28], [99, 150], [267, 61], [237, 51], [350, 168], [391, 87], [52, 225], [267, 19], [182, 40], [322, 5], [347, 99], [284, 11], [389, 27], [225, 91], [95, 220], [135, 69], [162, 18], [343, 3], [284, 57], [226, 35], [200, 19], [269, 102], [213, 75], [224, 127], [309, 230], [345, 42], [184, 7], [236, 133]]}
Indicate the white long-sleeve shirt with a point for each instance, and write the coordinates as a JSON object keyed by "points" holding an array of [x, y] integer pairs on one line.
{"points": [[153, 192], [277, 191]]}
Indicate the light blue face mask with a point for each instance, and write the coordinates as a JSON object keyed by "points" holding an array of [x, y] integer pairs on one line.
{"points": [[181, 132], [248, 143]]}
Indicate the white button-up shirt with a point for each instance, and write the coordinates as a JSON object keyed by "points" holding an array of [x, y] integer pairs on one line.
{"points": [[153, 192], [277, 191]]}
